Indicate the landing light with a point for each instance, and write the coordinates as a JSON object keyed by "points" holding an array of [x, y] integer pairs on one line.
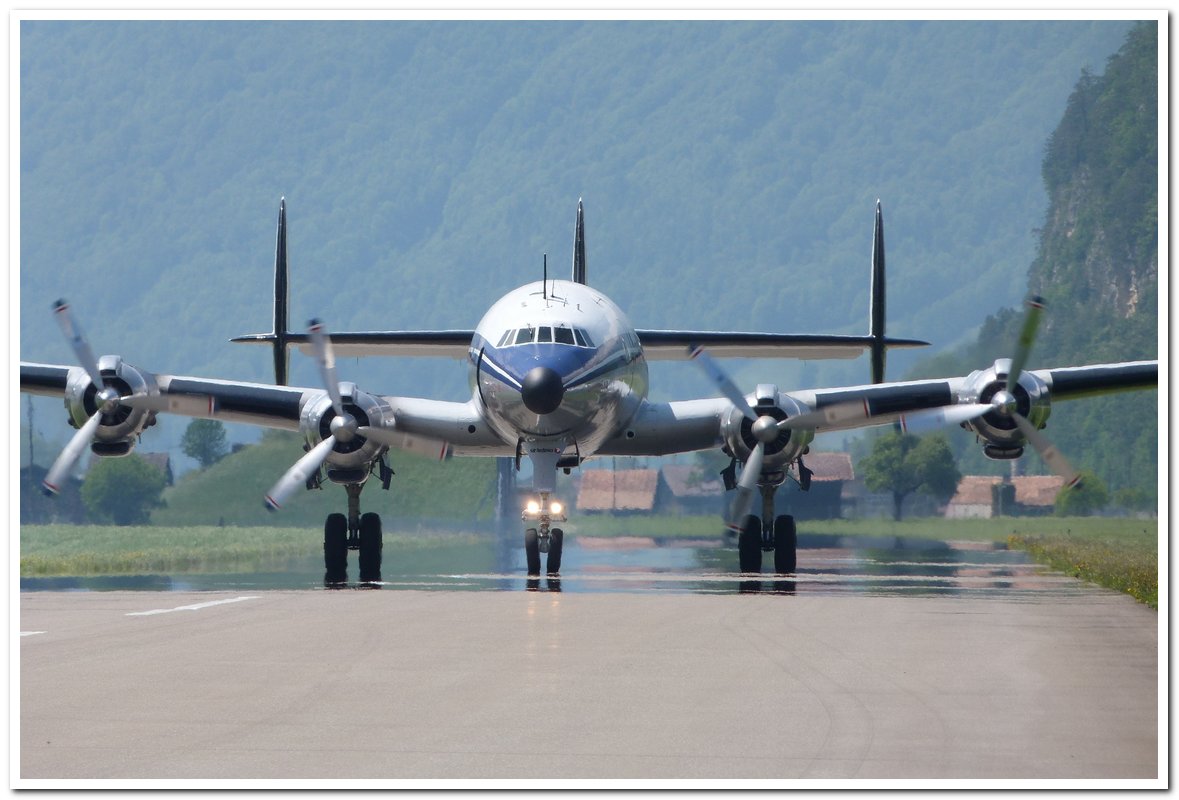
{"points": [[556, 508], [533, 507]]}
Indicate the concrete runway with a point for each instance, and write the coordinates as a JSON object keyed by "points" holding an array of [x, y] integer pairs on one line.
{"points": [[517, 685]]}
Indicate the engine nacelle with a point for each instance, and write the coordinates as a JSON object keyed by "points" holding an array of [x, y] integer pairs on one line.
{"points": [[737, 429], [350, 461], [998, 432], [118, 430]]}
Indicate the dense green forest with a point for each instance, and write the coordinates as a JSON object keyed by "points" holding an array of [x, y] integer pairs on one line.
{"points": [[1097, 267], [729, 172]]}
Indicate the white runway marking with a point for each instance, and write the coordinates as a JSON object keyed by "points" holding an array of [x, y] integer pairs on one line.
{"points": [[193, 607], [30, 633]]}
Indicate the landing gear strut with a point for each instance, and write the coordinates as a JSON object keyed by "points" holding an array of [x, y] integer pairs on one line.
{"points": [[543, 538], [776, 534], [353, 532]]}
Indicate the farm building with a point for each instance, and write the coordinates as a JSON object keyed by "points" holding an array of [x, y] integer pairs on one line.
{"points": [[693, 490], [986, 496], [832, 476], [621, 491]]}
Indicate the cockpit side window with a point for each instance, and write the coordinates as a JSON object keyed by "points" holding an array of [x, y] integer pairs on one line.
{"points": [[584, 338], [507, 337]]}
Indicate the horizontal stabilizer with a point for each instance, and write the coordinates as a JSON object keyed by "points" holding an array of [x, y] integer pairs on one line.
{"points": [[439, 344], [668, 345]]}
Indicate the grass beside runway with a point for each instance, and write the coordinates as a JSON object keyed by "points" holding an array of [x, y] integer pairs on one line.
{"points": [[1125, 560], [88, 550], [1118, 553]]}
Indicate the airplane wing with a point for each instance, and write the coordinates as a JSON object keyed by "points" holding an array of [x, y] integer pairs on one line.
{"points": [[414, 424], [691, 425]]}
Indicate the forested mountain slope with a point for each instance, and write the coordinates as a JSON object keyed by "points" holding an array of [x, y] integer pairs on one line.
{"points": [[729, 172], [1097, 267]]}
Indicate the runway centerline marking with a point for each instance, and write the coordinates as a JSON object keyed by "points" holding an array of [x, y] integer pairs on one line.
{"points": [[193, 607]]}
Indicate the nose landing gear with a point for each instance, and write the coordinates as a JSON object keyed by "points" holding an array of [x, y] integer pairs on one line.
{"points": [[543, 538]]}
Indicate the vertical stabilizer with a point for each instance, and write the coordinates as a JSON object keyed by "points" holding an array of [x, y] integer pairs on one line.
{"points": [[282, 296], [579, 246], [876, 303]]}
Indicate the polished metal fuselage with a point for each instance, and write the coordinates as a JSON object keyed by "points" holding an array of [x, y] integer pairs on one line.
{"points": [[603, 373]]}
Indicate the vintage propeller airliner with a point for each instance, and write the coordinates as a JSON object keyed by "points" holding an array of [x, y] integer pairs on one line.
{"points": [[559, 376]]}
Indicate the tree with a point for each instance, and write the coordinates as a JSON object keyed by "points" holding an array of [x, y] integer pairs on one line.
{"points": [[902, 464], [1084, 499], [204, 440], [123, 490]]}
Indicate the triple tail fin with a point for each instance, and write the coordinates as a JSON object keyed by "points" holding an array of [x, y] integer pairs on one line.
{"points": [[579, 246], [282, 297], [878, 345]]}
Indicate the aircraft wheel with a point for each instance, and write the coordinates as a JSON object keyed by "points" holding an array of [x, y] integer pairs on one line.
{"points": [[370, 548], [556, 539], [785, 545], [532, 551], [335, 549], [749, 545]]}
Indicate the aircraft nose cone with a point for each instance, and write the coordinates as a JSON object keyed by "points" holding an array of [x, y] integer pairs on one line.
{"points": [[542, 390]]}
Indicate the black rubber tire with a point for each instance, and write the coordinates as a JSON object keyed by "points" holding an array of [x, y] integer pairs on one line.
{"points": [[370, 548], [749, 545], [556, 540], [335, 549], [785, 545], [532, 551]]}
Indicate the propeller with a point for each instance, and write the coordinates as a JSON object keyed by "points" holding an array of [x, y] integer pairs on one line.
{"points": [[765, 429], [107, 399], [1004, 401], [344, 427]]}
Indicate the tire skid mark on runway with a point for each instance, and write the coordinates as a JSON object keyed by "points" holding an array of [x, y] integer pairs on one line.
{"points": [[193, 607]]}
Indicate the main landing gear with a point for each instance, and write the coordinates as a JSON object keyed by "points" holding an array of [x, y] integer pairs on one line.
{"points": [[776, 534], [352, 532], [543, 538]]}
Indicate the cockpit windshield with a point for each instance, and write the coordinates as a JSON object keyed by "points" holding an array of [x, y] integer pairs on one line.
{"points": [[546, 334]]}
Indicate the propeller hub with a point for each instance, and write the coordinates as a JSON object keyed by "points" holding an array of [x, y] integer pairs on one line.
{"points": [[765, 429], [343, 427], [1004, 402], [106, 399]]}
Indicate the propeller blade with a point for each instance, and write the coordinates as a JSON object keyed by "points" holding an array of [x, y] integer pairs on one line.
{"points": [[188, 405], [1052, 457], [81, 348], [924, 421], [838, 414], [61, 468], [327, 363], [420, 445], [721, 380], [746, 486], [1027, 336], [298, 474]]}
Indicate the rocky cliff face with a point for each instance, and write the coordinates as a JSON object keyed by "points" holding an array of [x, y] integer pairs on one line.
{"points": [[1099, 246]]}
